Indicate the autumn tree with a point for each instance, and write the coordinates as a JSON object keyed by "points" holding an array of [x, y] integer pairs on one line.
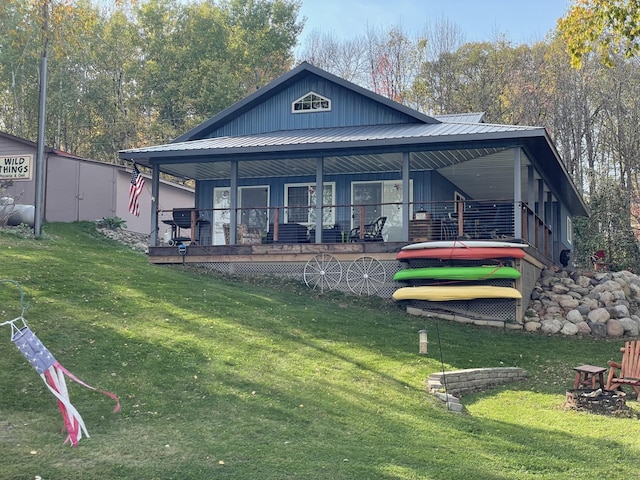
{"points": [[609, 27], [435, 89], [346, 58]]}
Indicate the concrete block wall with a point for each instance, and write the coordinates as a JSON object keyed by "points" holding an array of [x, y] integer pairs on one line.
{"points": [[473, 379]]}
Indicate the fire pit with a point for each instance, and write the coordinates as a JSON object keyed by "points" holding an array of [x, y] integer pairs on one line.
{"points": [[603, 402]]}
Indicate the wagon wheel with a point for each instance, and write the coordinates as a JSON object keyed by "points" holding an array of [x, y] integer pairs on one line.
{"points": [[365, 275], [322, 272]]}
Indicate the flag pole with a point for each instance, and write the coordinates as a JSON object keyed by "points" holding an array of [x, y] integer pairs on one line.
{"points": [[39, 186]]}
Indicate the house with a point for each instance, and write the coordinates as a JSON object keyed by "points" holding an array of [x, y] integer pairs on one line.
{"points": [[79, 189], [261, 164]]}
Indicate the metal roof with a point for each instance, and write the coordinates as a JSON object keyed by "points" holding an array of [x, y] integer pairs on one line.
{"points": [[331, 138], [476, 117], [475, 156]]}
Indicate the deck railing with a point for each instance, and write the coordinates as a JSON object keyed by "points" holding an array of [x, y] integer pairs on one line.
{"points": [[447, 220]]}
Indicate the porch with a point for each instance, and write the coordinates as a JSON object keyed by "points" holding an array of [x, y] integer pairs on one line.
{"points": [[262, 226]]}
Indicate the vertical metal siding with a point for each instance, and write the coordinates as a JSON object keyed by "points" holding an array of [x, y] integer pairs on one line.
{"points": [[347, 109]]}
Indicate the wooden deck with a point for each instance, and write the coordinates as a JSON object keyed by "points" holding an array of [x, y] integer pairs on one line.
{"points": [[283, 252]]}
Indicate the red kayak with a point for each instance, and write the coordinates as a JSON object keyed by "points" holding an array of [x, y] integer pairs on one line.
{"points": [[472, 253]]}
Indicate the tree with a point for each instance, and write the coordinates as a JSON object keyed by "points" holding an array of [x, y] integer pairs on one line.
{"points": [[394, 62], [435, 88], [608, 228], [609, 27], [345, 58], [262, 35]]}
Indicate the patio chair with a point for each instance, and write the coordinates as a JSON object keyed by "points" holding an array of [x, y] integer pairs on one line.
{"points": [[627, 372], [372, 231], [599, 260]]}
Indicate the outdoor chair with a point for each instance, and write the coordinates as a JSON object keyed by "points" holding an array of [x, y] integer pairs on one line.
{"points": [[372, 231], [599, 260], [627, 372]]}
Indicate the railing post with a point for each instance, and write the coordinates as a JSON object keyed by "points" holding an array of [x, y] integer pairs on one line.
{"points": [[193, 225], [276, 222]]}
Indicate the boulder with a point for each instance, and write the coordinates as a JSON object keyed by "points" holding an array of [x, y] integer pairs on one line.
{"points": [[614, 328], [583, 328], [574, 316], [630, 326], [551, 326], [599, 315], [598, 329], [569, 329], [532, 326]]}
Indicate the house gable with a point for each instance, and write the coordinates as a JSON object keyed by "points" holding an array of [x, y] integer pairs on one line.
{"points": [[348, 109], [270, 108]]}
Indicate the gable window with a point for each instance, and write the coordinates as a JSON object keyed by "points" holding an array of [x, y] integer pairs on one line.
{"points": [[300, 200], [311, 102]]}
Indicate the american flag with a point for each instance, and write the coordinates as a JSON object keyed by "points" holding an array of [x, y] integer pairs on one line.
{"points": [[135, 188]]}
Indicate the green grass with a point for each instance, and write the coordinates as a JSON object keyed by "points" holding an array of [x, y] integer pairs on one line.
{"points": [[262, 379]]}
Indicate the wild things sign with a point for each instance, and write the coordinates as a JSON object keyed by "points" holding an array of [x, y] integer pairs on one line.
{"points": [[16, 167]]}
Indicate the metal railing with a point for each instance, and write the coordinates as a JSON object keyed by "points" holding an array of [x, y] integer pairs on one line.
{"points": [[445, 220]]}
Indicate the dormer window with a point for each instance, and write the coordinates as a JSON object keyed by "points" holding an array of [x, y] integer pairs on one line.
{"points": [[311, 102]]}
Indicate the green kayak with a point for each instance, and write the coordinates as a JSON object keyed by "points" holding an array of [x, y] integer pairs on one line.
{"points": [[484, 272]]}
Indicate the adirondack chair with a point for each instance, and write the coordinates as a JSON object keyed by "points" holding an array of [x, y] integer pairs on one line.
{"points": [[626, 372], [372, 231]]}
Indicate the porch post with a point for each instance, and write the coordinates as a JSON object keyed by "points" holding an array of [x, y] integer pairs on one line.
{"points": [[517, 193], [155, 191], [406, 196], [319, 197], [531, 200], [233, 202], [540, 212], [550, 221]]}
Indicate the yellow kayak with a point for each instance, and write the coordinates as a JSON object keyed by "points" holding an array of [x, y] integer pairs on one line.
{"points": [[445, 293]]}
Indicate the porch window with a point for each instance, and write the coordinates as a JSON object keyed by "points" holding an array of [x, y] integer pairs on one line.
{"points": [[300, 203], [311, 102]]}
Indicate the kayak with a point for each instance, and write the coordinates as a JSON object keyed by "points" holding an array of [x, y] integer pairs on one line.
{"points": [[471, 253], [484, 272], [464, 244], [447, 293]]}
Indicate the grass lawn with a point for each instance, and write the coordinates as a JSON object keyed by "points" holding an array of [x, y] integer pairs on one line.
{"points": [[226, 378]]}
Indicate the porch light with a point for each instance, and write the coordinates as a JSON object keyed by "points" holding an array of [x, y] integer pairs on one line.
{"points": [[424, 341]]}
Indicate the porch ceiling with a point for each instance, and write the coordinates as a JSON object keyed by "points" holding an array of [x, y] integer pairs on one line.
{"points": [[473, 170]]}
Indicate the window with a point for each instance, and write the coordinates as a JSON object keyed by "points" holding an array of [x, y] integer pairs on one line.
{"points": [[300, 200], [311, 102], [569, 231]]}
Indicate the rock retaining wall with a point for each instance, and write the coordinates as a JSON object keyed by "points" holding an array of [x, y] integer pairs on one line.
{"points": [[590, 303], [137, 241], [461, 381]]}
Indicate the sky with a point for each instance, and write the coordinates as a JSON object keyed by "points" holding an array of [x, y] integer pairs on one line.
{"points": [[522, 21]]}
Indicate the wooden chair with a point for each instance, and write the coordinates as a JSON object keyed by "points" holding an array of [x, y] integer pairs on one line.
{"points": [[626, 372], [372, 231]]}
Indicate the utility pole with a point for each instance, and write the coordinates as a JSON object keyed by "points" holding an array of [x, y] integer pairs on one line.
{"points": [[39, 203]]}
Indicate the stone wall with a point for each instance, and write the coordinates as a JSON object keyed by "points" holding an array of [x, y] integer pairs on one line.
{"points": [[472, 379], [136, 241], [590, 303]]}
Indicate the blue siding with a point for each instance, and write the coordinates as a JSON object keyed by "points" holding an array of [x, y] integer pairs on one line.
{"points": [[443, 189], [348, 109], [422, 189]]}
